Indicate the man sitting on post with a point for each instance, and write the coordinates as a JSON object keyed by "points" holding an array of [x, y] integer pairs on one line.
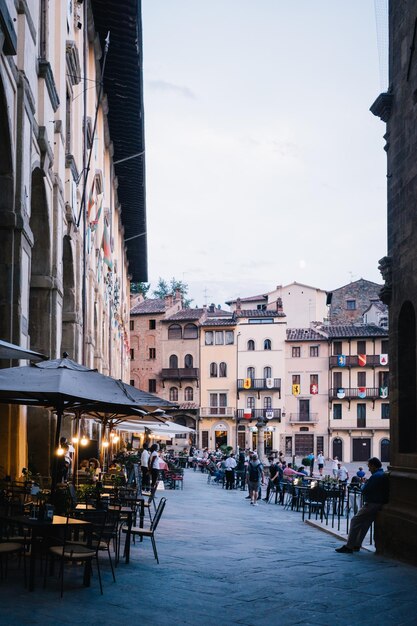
{"points": [[375, 494]]}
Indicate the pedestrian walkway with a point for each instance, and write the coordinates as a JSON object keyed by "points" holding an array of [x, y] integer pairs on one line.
{"points": [[224, 561]]}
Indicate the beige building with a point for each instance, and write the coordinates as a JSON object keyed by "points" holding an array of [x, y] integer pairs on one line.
{"points": [[305, 419], [302, 304], [358, 393], [70, 213], [218, 361]]}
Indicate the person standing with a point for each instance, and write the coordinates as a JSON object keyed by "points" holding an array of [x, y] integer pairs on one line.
{"points": [[311, 458], [375, 495], [320, 462], [255, 476], [342, 474], [229, 467], [335, 463], [144, 466], [275, 475], [154, 465]]}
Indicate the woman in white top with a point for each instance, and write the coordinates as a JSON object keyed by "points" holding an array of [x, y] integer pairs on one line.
{"points": [[154, 465], [335, 468]]}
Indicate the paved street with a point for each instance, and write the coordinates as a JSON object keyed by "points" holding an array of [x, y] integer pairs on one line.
{"points": [[224, 561]]}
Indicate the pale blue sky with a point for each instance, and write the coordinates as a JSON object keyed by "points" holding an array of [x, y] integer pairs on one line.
{"points": [[264, 164]]}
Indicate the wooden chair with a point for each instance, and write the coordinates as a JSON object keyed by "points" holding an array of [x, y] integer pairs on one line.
{"points": [[150, 532]]}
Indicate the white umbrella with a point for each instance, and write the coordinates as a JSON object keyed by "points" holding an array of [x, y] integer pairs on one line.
{"points": [[156, 428]]}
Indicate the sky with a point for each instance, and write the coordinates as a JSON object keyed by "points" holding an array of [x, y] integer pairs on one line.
{"points": [[264, 165]]}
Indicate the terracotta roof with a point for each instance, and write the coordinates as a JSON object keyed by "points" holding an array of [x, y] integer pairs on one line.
{"points": [[185, 314], [220, 322], [259, 313], [155, 305], [262, 296], [353, 330], [304, 334]]}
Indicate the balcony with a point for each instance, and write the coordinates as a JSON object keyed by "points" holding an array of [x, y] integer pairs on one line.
{"points": [[181, 373], [217, 411], [259, 414], [303, 418], [259, 384], [359, 393], [372, 360]]}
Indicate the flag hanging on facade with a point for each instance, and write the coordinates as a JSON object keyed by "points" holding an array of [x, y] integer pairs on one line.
{"points": [[362, 360], [314, 389], [247, 413], [296, 389], [247, 383], [91, 202], [340, 393], [341, 360], [105, 244], [95, 221], [361, 392], [269, 383], [383, 392], [383, 359]]}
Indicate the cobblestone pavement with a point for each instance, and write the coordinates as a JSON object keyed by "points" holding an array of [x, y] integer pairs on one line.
{"points": [[224, 561]]}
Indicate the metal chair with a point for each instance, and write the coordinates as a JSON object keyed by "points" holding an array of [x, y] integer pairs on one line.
{"points": [[150, 532]]}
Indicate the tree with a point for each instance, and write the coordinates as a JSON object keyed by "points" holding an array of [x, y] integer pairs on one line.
{"points": [[164, 288], [140, 288]]}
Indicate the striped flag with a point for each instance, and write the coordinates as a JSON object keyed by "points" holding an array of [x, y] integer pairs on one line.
{"points": [[362, 360], [91, 202], [105, 244], [95, 221]]}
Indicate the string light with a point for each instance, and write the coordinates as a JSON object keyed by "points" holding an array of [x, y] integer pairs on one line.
{"points": [[83, 440]]}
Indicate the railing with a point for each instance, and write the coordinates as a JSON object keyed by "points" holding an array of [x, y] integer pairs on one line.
{"points": [[259, 384], [210, 411], [358, 392], [179, 373], [372, 360], [304, 417], [264, 414]]}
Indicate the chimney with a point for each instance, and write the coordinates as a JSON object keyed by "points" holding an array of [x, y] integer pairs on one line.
{"points": [[168, 301], [279, 305], [177, 296], [212, 307], [238, 305]]}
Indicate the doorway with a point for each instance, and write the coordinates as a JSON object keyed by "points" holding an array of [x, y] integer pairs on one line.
{"points": [[361, 449], [220, 438], [385, 450], [337, 448]]}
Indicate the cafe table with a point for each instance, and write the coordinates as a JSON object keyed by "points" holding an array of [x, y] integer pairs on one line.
{"points": [[41, 529]]}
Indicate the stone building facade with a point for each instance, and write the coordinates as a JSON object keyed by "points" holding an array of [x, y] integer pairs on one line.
{"points": [[349, 303], [398, 520], [66, 209]]}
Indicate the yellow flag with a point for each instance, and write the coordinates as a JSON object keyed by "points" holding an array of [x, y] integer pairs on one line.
{"points": [[247, 383], [296, 390]]}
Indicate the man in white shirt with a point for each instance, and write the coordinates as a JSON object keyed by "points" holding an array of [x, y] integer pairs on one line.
{"points": [[342, 474], [229, 466], [144, 463]]}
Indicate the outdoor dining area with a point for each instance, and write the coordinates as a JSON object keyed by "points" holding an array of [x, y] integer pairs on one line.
{"points": [[86, 519]]}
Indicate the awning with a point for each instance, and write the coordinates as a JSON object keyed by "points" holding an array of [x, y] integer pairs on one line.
{"points": [[10, 351]]}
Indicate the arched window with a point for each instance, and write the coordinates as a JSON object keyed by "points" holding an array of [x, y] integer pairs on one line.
{"points": [[267, 402], [188, 394], [190, 331], [251, 344], [407, 400], [267, 372], [213, 370], [173, 361], [222, 370], [173, 394], [188, 361], [250, 372], [174, 331], [385, 452], [250, 402], [267, 344]]}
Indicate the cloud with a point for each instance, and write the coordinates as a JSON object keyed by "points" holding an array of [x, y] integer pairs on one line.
{"points": [[162, 85]]}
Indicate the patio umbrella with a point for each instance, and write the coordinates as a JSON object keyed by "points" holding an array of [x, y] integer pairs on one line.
{"points": [[11, 351], [168, 427], [64, 385]]}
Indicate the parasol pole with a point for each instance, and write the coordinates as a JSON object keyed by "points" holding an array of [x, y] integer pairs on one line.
{"points": [[59, 413]]}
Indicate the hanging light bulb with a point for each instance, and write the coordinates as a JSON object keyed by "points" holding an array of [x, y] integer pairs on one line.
{"points": [[60, 451], [105, 444], [116, 438], [75, 439], [83, 440], [112, 435]]}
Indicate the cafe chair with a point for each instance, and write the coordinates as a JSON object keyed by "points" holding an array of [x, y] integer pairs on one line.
{"points": [[150, 532], [72, 552], [6, 549]]}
